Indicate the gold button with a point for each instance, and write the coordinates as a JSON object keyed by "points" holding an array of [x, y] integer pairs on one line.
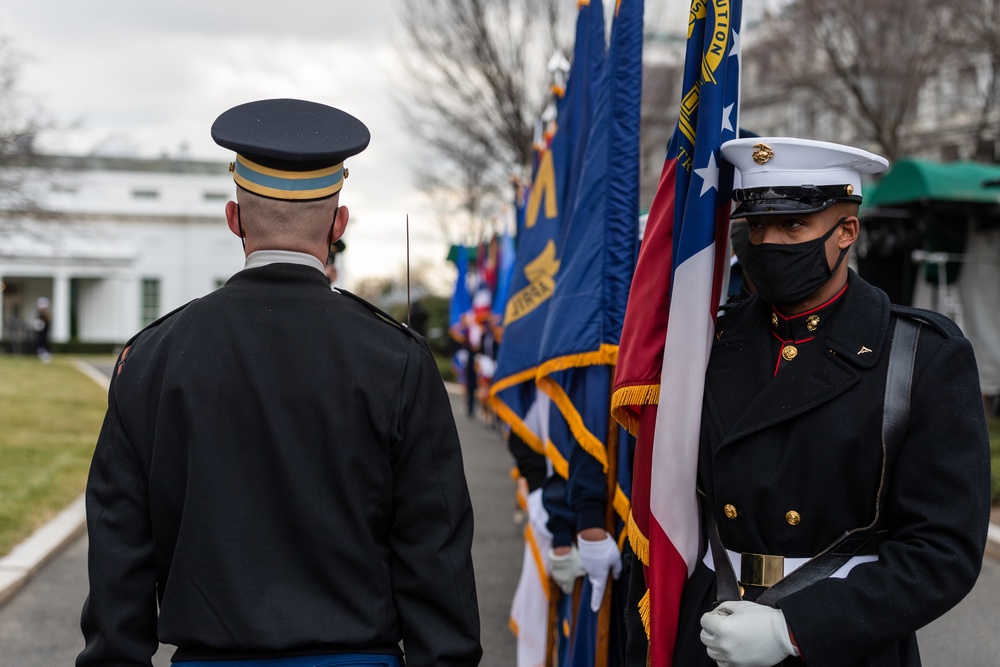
{"points": [[789, 352], [742, 592], [730, 511], [792, 517], [774, 319], [812, 322]]}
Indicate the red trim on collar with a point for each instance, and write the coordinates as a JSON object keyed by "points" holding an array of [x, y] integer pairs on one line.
{"points": [[792, 342], [777, 364], [823, 305]]}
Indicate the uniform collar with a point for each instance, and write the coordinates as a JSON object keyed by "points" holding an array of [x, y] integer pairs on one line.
{"points": [[805, 325], [264, 257], [860, 331]]}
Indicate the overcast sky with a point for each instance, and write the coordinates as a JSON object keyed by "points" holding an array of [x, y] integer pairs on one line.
{"points": [[147, 78]]}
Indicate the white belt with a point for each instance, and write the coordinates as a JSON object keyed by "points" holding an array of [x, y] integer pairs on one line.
{"points": [[790, 564]]}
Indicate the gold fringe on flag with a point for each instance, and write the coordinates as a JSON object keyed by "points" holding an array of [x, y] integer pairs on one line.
{"points": [[559, 462], [622, 505], [587, 440], [508, 416], [624, 398], [536, 553], [644, 612], [639, 542], [606, 355]]}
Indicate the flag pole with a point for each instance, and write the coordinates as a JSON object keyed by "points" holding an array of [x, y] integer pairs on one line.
{"points": [[604, 614], [552, 629], [407, 269]]}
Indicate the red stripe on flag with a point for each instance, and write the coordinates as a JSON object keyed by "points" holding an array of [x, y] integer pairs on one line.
{"points": [[667, 578], [642, 473], [640, 353], [721, 251]]}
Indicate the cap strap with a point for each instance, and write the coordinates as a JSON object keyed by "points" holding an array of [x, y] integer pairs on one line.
{"points": [[803, 192]]}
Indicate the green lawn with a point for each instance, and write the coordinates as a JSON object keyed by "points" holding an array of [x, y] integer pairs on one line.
{"points": [[50, 416]]}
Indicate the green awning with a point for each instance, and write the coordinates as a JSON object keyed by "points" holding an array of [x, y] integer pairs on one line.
{"points": [[912, 181], [470, 253]]}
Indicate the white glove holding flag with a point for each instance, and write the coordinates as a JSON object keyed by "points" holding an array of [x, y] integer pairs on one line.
{"points": [[566, 569], [598, 558], [746, 634]]}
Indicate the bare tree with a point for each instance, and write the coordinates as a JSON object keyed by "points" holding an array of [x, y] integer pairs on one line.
{"points": [[864, 61], [975, 34], [20, 122], [475, 83]]}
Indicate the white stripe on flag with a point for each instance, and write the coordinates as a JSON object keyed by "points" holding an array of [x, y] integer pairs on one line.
{"points": [[673, 497]]}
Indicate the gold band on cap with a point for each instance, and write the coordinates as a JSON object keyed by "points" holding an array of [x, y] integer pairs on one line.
{"points": [[284, 184]]}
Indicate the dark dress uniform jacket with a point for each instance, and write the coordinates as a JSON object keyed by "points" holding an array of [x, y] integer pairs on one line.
{"points": [[280, 471], [809, 440]]}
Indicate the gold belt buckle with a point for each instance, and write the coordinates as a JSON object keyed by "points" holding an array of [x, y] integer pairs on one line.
{"points": [[761, 569]]}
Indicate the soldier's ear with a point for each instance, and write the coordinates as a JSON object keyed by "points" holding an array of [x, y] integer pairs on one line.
{"points": [[340, 222], [233, 218], [849, 229]]}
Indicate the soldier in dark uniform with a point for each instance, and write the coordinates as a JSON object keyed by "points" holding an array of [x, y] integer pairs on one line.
{"points": [[278, 480], [797, 450]]}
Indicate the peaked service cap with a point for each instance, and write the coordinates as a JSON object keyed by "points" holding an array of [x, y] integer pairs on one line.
{"points": [[290, 149], [784, 175]]}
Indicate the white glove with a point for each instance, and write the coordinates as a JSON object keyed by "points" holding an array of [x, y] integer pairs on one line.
{"points": [[746, 634], [598, 558], [566, 569]]}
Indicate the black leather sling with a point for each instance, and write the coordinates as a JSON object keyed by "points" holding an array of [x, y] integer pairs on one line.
{"points": [[895, 417]]}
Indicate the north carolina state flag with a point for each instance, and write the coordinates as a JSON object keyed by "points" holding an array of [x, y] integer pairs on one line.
{"points": [[670, 319]]}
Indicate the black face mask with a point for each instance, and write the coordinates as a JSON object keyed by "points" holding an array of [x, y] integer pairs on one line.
{"points": [[787, 273]]}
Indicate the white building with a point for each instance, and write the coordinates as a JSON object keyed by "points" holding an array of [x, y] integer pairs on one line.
{"points": [[112, 243]]}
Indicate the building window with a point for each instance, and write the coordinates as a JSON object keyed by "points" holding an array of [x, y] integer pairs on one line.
{"points": [[145, 194], [215, 196], [150, 309]]}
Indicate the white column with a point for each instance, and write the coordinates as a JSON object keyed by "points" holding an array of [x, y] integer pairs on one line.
{"points": [[60, 308], [1, 305]]}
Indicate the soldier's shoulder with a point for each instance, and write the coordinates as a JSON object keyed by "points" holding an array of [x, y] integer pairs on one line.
{"points": [[150, 332], [936, 322], [379, 314], [164, 321], [735, 311]]}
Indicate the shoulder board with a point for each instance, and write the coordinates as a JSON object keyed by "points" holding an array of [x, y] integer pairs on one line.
{"points": [[944, 325], [381, 314], [161, 320], [152, 325]]}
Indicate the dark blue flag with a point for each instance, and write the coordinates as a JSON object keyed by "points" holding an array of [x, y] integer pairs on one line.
{"points": [[538, 246], [600, 246]]}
